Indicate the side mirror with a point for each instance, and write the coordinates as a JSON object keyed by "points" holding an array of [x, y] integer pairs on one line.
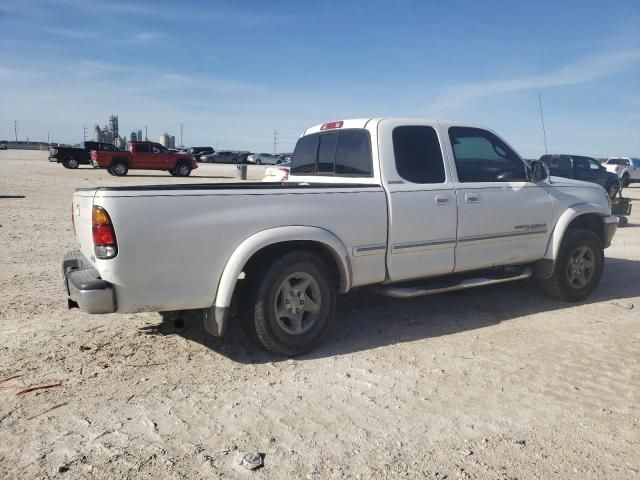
{"points": [[539, 171]]}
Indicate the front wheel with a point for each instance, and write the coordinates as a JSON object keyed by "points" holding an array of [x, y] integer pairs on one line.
{"points": [[292, 304], [183, 170], [258, 162], [578, 268]]}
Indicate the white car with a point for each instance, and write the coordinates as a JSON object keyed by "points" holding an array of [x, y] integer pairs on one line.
{"points": [[278, 173], [407, 207], [627, 169], [264, 159]]}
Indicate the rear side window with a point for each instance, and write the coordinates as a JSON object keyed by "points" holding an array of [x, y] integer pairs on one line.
{"points": [[418, 154], [344, 153], [142, 149]]}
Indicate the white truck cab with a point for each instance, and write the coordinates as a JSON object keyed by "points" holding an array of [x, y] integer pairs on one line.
{"points": [[407, 206]]}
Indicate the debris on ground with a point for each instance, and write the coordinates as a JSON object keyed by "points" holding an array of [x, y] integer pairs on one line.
{"points": [[249, 460], [622, 304], [49, 410], [41, 387]]}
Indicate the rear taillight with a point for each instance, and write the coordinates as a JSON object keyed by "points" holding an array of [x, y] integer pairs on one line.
{"points": [[618, 168], [286, 173], [105, 244], [55, 151]]}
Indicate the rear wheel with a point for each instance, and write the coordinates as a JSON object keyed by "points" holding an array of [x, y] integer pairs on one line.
{"points": [[71, 162], [182, 170], [258, 162], [291, 304], [613, 189], [172, 173], [110, 171], [119, 168], [625, 180], [578, 268]]}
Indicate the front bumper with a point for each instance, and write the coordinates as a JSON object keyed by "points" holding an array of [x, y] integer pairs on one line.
{"points": [[85, 289], [610, 225]]}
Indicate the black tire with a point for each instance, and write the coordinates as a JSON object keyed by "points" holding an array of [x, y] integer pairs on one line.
{"points": [[182, 170], [172, 173], [613, 189], [71, 162], [264, 292], [119, 168], [258, 162], [110, 171], [559, 285], [625, 180]]}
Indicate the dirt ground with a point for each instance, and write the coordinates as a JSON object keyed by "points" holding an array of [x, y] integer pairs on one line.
{"points": [[499, 383]]}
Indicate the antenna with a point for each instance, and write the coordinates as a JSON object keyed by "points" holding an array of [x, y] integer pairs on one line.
{"points": [[544, 131]]}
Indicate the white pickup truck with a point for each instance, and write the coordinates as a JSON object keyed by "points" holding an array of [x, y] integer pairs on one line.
{"points": [[410, 207]]}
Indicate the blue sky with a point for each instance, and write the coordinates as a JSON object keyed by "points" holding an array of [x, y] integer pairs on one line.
{"points": [[232, 72]]}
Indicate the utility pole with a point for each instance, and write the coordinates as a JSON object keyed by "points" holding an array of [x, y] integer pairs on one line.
{"points": [[15, 129], [146, 137], [48, 141], [84, 133], [275, 140], [181, 133], [544, 132]]}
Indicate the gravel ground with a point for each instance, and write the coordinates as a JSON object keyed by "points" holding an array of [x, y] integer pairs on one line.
{"points": [[498, 383]]}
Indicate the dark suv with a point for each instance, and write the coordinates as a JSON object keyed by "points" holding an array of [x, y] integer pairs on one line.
{"points": [[582, 168], [197, 152], [224, 157]]}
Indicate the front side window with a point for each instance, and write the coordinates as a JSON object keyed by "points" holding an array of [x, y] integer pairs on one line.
{"points": [[418, 154], [480, 156], [142, 148], [593, 164]]}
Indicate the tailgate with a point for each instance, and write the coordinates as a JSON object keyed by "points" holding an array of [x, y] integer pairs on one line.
{"points": [[82, 208]]}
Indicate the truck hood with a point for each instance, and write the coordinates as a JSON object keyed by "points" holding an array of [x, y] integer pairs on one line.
{"points": [[570, 192]]}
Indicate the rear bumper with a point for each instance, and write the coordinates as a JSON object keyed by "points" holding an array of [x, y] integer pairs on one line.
{"points": [[53, 159], [610, 225], [85, 289]]}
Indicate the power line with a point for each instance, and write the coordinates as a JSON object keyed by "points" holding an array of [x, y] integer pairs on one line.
{"points": [[544, 131]]}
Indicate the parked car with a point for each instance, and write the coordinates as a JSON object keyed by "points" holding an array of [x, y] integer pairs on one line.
{"points": [[407, 207], [222, 157], [264, 158], [277, 173], [72, 157], [197, 152], [285, 157], [582, 168], [144, 156], [626, 168]]}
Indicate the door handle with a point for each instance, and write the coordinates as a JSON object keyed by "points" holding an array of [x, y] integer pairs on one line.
{"points": [[442, 199], [471, 197]]}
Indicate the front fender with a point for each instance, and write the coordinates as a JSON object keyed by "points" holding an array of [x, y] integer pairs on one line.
{"points": [[560, 228]]}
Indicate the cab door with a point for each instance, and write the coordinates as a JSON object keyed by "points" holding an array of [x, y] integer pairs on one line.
{"points": [[422, 200], [503, 218], [141, 156]]}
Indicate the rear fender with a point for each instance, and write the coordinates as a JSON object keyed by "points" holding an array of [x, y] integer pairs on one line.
{"points": [[265, 238]]}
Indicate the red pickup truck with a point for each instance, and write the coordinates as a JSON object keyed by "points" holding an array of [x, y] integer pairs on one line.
{"points": [[143, 156]]}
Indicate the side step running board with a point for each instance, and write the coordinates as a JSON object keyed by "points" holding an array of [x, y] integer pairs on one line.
{"points": [[432, 287]]}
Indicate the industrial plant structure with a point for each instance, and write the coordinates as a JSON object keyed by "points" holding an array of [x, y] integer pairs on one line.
{"points": [[167, 140], [109, 133]]}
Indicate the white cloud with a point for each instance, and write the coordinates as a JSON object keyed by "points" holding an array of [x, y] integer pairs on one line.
{"points": [[583, 71]]}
